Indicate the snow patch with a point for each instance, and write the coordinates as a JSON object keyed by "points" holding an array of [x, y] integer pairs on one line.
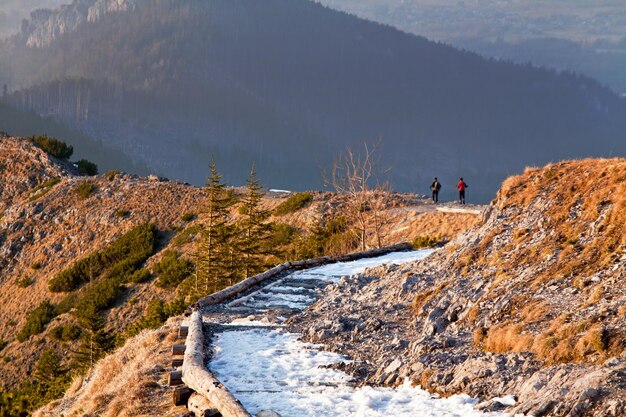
{"points": [[271, 369], [341, 269]]}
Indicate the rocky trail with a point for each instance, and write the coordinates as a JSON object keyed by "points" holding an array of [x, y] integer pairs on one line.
{"points": [[261, 360]]}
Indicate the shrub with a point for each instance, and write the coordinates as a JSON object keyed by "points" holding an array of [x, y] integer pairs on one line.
{"points": [[282, 234], [172, 270], [53, 146], [43, 188], [3, 344], [110, 175], [37, 320], [120, 259], [36, 265], [187, 217], [99, 296], [185, 236], [139, 276], [24, 282], [85, 189], [156, 314], [294, 203], [330, 238], [122, 213], [66, 332], [86, 167], [66, 303], [426, 242]]}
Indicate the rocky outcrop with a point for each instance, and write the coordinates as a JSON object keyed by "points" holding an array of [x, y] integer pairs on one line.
{"points": [[44, 26], [525, 311]]}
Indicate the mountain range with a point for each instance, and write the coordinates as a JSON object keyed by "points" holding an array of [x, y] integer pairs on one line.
{"points": [[288, 84]]}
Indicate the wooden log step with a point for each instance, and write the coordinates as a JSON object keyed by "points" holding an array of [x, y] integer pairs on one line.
{"points": [[175, 378], [201, 407], [182, 332], [176, 362], [181, 395], [178, 349], [200, 379]]}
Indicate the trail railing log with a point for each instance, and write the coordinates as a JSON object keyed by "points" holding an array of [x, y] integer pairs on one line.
{"points": [[234, 290], [211, 396]]}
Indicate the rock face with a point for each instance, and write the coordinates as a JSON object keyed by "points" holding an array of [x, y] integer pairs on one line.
{"points": [[44, 26], [530, 304]]}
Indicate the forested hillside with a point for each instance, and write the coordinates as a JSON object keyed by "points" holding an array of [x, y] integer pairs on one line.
{"points": [[288, 83]]}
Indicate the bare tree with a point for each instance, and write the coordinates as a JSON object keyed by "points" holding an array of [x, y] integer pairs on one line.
{"points": [[356, 176]]}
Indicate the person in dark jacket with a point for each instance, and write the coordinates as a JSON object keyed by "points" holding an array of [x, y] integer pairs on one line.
{"points": [[461, 186], [435, 187]]}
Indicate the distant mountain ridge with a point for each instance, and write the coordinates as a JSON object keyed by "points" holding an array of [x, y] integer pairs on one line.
{"points": [[289, 83]]}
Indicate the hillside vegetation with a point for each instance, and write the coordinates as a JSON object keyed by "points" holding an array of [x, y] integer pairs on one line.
{"points": [[88, 262], [564, 230]]}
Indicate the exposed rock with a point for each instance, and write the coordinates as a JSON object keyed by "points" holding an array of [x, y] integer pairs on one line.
{"points": [[493, 315], [267, 413]]}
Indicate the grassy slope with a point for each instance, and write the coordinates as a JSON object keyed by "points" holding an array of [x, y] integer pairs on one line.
{"points": [[58, 228], [550, 253]]}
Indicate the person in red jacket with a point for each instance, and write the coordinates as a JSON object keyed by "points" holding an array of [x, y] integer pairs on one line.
{"points": [[461, 186]]}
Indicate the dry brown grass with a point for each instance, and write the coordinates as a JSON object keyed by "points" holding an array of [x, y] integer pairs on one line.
{"points": [[576, 342], [578, 192], [507, 337], [411, 224], [129, 382], [580, 229], [478, 337], [473, 314], [563, 342], [424, 297], [424, 380]]}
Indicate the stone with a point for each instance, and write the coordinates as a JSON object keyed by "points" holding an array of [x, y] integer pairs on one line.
{"points": [[391, 379], [393, 366], [590, 394], [267, 413]]}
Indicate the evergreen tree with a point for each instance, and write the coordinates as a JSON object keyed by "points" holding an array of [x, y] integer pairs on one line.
{"points": [[213, 249], [253, 229], [48, 367], [96, 342]]}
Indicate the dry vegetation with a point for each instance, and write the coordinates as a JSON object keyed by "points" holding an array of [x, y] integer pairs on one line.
{"points": [[585, 214], [552, 262], [44, 235], [129, 382]]}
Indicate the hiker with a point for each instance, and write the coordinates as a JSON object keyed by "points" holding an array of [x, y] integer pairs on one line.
{"points": [[435, 187], [461, 186]]}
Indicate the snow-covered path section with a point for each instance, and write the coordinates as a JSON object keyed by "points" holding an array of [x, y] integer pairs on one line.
{"points": [[269, 368]]}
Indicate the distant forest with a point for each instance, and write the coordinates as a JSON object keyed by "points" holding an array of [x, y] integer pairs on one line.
{"points": [[289, 83]]}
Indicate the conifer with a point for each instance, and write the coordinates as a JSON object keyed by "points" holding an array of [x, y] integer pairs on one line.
{"points": [[253, 229], [96, 342], [213, 249]]}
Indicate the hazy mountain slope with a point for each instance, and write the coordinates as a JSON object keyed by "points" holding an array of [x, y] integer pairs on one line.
{"points": [[289, 83], [587, 37], [27, 123]]}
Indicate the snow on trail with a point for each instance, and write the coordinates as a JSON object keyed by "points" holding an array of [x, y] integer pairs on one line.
{"points": [[269, 368]]}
